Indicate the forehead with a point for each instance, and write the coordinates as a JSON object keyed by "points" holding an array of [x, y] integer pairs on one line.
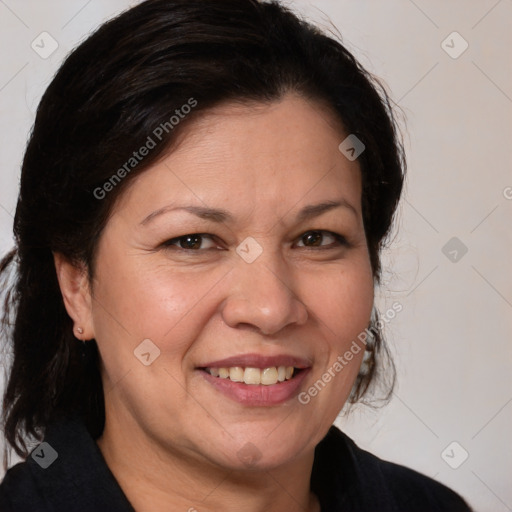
{"points": [[277, 154]]}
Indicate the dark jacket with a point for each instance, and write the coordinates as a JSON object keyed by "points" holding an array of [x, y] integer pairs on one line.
{"points": [[345, 478]]}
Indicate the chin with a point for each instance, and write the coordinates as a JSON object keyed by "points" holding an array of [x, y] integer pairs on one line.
{"points": [[262, 451]]}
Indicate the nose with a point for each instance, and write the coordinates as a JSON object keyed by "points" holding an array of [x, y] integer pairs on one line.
{"points": [[263, 297]]}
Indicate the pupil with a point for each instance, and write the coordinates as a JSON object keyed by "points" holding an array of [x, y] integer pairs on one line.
{"points": [[314, 236], [187, 239]]}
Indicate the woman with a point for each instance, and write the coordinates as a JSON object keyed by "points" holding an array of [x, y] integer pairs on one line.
{"points": [[203, 201]]}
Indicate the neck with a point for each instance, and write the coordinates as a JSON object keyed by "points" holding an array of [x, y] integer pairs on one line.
{"points": [[174, 479]]}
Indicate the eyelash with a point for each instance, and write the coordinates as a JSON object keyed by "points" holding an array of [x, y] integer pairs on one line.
{"points": [[340, 241]]}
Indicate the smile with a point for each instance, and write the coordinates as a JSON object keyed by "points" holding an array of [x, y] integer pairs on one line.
{"points": [[254, 393], [255, 376]]}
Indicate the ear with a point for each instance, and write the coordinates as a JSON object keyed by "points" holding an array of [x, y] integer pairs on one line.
{"points": [[74, 286]]}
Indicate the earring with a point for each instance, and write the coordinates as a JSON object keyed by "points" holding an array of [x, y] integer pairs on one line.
{"points": [[79, 333], [85, 346]]}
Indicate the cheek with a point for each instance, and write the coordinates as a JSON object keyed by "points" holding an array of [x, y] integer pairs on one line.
{"points": [[137, 302], [343, 301], [343, 305]]}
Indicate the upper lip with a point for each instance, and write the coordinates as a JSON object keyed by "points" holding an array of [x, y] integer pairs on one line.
{"points": [[259, 361]]}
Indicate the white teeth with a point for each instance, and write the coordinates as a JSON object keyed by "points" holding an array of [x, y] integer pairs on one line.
{"points": [[269, 376], [254, 376], [236, 374]]}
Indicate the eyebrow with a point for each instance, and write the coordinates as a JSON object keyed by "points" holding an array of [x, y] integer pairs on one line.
{"points": [[220, 215]]}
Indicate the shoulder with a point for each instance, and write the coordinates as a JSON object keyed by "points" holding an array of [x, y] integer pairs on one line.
{"points": [[385, 485], [19, 492], [413, 489], [64, 472]]}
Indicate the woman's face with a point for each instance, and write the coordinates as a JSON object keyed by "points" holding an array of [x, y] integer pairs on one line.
{"points": [[254, 290]]}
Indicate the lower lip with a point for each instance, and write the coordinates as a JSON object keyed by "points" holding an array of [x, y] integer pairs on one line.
{"points": [[257, 394]]}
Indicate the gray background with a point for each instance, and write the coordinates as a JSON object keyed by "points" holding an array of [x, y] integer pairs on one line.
{"points": [[451, 341]]}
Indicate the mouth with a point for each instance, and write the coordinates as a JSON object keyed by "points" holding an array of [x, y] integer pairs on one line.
{"points": [[256, 380], [255, 376]]}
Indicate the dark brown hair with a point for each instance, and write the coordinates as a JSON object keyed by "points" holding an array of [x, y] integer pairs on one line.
{"points": [[125, 80]]}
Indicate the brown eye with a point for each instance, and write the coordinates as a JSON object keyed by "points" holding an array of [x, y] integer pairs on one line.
{"points": [[314, 239], [311, 239], [190, 242]]}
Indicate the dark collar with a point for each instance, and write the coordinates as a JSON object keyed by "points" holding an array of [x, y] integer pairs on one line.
{"points": [[345, 477], [79, 477], [338, 476]]}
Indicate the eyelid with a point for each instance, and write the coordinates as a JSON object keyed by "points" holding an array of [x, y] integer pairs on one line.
{"points": [[340, 239], [172, 241]]}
